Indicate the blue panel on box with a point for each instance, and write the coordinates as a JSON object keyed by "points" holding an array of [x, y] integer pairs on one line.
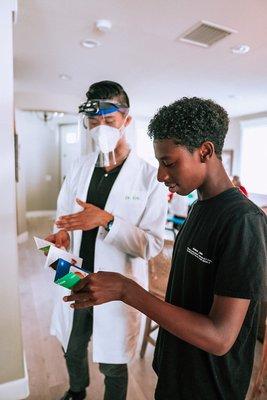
{"points": [[63, 268]]}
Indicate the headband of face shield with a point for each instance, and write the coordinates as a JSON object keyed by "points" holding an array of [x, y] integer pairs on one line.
{"points": [[102, 139], [93, 108]]}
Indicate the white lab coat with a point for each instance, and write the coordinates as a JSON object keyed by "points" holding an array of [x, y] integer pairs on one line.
{"points": [[139, 205]]}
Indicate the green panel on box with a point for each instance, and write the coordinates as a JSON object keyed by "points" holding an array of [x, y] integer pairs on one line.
{"points": [[45, 249], [68, 280]]}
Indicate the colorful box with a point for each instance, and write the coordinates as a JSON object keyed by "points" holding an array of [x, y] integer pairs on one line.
{"points": [[68, 267], [67, 274]]}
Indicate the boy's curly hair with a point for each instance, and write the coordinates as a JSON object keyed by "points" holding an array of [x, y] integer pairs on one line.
{"points": [[191, 121]]}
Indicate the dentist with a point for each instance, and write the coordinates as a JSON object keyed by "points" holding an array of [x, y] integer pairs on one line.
{"points": [[111, 211]]}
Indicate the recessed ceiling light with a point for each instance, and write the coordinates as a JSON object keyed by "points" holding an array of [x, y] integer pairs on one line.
{"points": [[240, 49], [65, 77], [103, 25], [90, 43], [59, 114]]}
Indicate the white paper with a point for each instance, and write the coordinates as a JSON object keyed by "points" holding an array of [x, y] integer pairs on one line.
{"points": [[55, 253], [41, 243]]}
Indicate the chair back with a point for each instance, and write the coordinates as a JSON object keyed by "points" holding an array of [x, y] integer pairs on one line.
{"points": [[159, 270]]}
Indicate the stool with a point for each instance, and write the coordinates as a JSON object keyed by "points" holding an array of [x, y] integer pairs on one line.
{"points": [[260, 384], [159, 269]]}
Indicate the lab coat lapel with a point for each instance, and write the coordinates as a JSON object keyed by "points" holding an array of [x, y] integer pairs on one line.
{"points": [[123, 184], [84, 180], [82, 189]]}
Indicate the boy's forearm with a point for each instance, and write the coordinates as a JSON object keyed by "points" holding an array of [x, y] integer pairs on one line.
{"points": [[192, 327]]}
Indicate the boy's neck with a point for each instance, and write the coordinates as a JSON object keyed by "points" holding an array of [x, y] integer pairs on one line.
{"points": [[216, 182]]}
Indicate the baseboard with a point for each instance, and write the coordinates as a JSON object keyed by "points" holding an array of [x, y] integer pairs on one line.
{"points": [[41, 213], [23, 237], [16, 390]]}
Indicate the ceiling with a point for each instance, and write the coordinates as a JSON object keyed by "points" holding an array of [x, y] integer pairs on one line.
{"points": [[141, 52]]}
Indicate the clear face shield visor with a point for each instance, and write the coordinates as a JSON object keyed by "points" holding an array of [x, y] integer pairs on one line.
{"points": [[95, 121]]}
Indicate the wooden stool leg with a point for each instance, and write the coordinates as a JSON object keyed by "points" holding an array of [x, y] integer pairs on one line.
{"points": [[261, 377], [146, 337], [259, 382]]}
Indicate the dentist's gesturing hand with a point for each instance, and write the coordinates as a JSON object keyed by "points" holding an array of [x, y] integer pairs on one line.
{"points": [[89, 218], [98, 288], [60, 239]]}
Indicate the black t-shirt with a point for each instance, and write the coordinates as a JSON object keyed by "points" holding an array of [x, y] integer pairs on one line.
{"points": [[220, 250], [99, 188]]}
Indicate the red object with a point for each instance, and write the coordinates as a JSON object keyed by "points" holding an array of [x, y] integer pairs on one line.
{"points": [[170, 196], [243, 190]]}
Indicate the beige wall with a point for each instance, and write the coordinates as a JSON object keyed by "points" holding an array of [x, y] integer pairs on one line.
{"points": [[11, 352], [39, 162]]}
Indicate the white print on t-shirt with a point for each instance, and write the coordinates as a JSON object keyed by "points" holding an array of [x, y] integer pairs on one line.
{"points": [[199, 255]]}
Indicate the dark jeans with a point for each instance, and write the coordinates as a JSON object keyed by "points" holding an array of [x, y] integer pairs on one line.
{"points": [[116, 375]]}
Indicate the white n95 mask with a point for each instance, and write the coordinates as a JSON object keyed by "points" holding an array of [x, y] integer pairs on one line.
{"points": [[105, 137]]}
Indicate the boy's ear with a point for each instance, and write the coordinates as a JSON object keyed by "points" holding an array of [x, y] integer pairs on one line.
{"points": [[206, 150]]}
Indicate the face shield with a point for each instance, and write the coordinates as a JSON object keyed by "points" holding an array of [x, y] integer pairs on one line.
{"points": [[96, 121]]}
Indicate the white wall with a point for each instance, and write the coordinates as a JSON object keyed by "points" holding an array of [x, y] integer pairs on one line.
{"points": [[11, 350], [234, 140], [144, 145], [234, 137]]}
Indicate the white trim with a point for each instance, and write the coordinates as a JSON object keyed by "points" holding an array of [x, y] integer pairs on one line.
{"points": [[16, 390], [252, 122], [23, 237], [41, 213], [14, 11]]}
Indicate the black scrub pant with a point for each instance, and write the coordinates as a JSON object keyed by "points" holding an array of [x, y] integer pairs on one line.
{"points": [[116, 375]]}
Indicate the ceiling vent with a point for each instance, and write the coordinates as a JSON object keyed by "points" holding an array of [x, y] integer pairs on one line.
{"points": [[205, 34]]}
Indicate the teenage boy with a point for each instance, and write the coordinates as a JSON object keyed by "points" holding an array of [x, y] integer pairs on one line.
{"points": [[208, 322]]}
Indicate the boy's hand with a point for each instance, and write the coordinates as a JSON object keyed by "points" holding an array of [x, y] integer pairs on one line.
{"points": [[98, 288]]}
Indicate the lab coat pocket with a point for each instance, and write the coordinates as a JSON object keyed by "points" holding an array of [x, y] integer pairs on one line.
{"points": [[134, 203]]}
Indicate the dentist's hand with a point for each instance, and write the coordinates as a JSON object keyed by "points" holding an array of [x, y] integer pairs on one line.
{"points": [[60, 239], [98, 288], [89, 218]]}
